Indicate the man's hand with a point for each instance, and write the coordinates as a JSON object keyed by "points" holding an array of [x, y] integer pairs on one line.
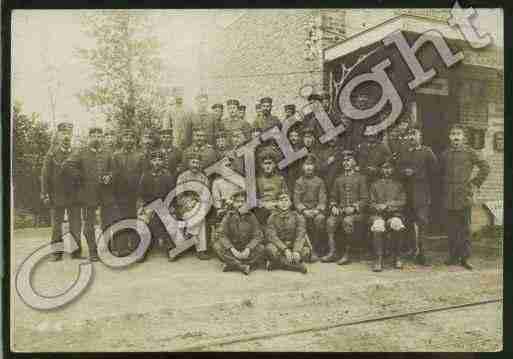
{"points": [[296, 257], [331, 159], [349, 210], [335, 211], [245, 253], [288, 256], [381, 207], [235, 253], [308, 213], [45, 197]]}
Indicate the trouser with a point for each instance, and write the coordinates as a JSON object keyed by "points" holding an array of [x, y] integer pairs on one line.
{"points": [[126, 240], [416, 216], [275, 255], [199, 234], [458, 231], [314, 227], [256, 255], [89, 216], [75, 224], [391, 224], [348, 225]]}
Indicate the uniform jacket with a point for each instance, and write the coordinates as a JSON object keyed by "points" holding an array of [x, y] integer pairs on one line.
{"points": [[240, 231], [205, 118], [286, 229], [264, 123], [456, 168], [310, 193], [208, 154], [173, 159], [268, 187], [330, 171], [222, 191], [93, 164], [294, 170], [59, 179], [371, 155], [387, 191], [127, 169], [424, 164], [350, 190], [155, 184], [230, 125]]}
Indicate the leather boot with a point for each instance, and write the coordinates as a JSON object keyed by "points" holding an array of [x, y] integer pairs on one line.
{"points": [[331, 255], [345, 258], [398, 264], [378, 264], [298, 267], [378, 250]]}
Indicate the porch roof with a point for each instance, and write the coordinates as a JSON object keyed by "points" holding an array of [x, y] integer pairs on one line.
{"points": [[491, 56]]}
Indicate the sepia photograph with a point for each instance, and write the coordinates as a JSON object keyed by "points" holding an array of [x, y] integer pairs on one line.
{"points": [[256, 180]]}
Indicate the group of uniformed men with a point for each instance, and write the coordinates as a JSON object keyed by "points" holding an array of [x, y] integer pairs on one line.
{"points": [[319, 208]]}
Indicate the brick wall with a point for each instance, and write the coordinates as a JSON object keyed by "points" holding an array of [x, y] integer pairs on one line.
{"points": [[263, 54]]}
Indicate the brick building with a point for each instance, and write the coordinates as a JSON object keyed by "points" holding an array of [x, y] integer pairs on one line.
{"points": [[277, 53]]}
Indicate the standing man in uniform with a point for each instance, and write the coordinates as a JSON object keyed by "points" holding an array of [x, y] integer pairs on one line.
{"points": [[200, 145], [458, 186], [127, 170], [95, 168], [233, 122], [370, 155], [177, 119], [202, 117], [59, 188], [268, 120], [348, 201], [172, 154], [418, 165]]}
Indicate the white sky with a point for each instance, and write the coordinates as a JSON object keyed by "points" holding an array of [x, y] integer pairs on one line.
{"points": [[58, 32]]}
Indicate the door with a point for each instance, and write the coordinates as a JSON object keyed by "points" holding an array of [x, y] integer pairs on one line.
{"points": [[435, 115]]}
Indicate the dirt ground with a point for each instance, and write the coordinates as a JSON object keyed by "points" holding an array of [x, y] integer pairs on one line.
{"points": [[191, 305]]}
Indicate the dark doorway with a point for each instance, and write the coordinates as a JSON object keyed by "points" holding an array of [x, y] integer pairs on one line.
{"points": [[435, 114]]}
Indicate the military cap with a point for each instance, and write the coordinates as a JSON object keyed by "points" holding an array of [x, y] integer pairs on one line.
{"points": [[221, 132], [242, 107], [202, 95], [127, 131], [217, 105], [290, 108], [347, 154], [199, 126], [281, 194], [110, 131], [240, 193], [157, 154], [95, 130], [166, 131], [148, 131], [65, 126], [309, 130], [314, 97], [266, 100], [324, 95], [311, 158], [232, 102], [268, 153], [388, 163], [196, 155]]}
